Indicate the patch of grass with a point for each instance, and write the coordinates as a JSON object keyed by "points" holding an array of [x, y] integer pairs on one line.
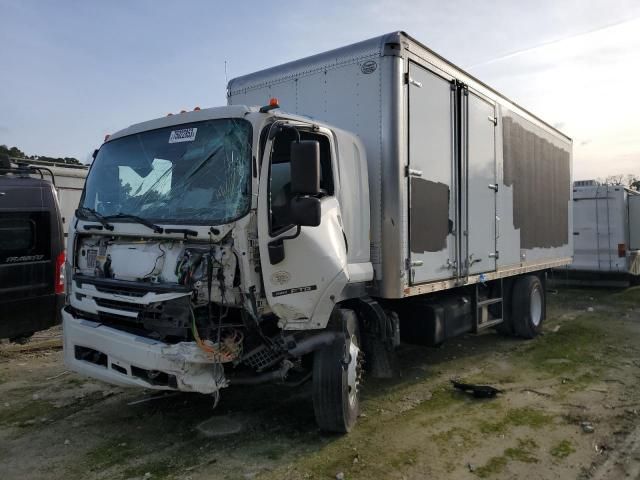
{"points": [[517, 417], [630, 296], [523, 452], [403, 458], [272, 452], [20, 412], [564, 351], [76, 382], [110, 453], [441, 398], [454, 437], [157, 468], [562, 449], [494, 466]]}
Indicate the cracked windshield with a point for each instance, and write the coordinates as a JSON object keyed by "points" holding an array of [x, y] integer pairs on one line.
{"points": [[197, 171]]}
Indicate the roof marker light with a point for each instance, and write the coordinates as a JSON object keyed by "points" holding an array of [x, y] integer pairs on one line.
{"points": [[273, 103]]}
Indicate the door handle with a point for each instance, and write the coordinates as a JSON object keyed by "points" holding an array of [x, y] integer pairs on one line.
{"points": [[493, 186]]}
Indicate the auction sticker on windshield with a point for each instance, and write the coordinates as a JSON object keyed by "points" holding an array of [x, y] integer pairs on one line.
{"points": [[184, 135]]}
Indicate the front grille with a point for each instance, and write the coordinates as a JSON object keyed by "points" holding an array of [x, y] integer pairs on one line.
{"points": [[125, 292], [117, 305]]}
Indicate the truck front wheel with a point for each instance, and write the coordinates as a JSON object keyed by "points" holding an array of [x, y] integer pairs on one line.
{"points": [[528, 306], [337, 372]]}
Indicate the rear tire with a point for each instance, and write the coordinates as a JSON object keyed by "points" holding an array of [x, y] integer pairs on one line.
{"points": [[528, 306], [336, 377]]}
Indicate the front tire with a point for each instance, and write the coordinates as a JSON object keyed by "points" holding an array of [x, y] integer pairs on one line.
{"points": [[528, 303], [336, 377]]}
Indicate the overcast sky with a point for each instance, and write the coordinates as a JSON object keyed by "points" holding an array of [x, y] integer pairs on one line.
{"points": [[72, 71]]}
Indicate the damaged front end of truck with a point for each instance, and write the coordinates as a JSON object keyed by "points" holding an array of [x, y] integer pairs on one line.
{"points": [[167, 287]]}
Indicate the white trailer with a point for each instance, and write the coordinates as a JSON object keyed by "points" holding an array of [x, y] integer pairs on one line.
{"points": [[606, 233], [399, 198], [69, 181]]}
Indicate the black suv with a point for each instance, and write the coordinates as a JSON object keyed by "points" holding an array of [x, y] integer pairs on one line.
{"points": [[31, 251]]}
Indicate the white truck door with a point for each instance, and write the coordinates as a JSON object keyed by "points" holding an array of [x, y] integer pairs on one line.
{"points": [[479, 197], [302, 288], [432, 192]]}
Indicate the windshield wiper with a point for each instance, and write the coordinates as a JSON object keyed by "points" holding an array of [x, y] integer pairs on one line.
{"points": [[135, 218], [98, 217]]}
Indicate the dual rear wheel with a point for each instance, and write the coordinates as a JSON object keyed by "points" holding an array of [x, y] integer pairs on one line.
{"points": [[525, 308]]}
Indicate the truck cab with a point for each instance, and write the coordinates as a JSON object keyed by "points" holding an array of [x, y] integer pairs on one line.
{"points": [[219, 247]]}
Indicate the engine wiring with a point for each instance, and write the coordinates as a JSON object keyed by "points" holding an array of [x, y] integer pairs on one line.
{"points": [[226, 350], [158, 258]]}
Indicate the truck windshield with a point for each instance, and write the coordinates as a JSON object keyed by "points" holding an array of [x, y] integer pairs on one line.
{"points": [[194, 173]]}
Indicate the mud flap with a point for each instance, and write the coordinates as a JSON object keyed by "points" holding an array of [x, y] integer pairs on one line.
{"points": [[380, 333]]}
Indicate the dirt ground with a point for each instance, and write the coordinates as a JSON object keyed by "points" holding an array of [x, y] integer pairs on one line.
{"points": [[570, 408]]}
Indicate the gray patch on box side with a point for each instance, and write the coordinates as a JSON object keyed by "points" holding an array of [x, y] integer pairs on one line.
{"points": [[429, 216], [540, 173]]}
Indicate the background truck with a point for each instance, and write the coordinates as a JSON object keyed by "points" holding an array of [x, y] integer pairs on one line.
{"points": [[606, 233], [399, 198]]}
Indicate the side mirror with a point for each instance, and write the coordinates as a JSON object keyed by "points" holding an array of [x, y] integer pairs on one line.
{"points": [[305, 167], [306, 211]]}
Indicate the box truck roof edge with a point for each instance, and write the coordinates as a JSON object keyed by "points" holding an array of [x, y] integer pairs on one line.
{"points": [[377, 46]]}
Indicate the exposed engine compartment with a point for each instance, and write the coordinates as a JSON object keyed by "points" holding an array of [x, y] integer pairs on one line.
{"points": [[170, 290], [181, 293]]}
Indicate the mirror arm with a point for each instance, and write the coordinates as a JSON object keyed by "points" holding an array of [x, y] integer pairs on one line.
{"points": [[276, 247], [291, 237]]}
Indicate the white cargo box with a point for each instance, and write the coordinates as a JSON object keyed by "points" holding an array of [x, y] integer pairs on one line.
{"points": [[606, 229]]}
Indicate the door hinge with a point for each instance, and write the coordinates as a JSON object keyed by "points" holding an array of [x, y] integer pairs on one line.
{"points": [[412, 172], [493, 120], [495, 255], [413, 81], [408, 263]]}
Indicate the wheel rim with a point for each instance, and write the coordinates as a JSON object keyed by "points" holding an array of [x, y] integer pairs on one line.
{"points": [[536, 306], [353, 370]]}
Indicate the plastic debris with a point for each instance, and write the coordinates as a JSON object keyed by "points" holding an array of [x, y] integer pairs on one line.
{"points": [[478, 391], [587, 427]]}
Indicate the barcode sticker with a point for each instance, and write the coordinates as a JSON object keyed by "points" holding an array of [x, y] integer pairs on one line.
{"points": [[184, 135]]}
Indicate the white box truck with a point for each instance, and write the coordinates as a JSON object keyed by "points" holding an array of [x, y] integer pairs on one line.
{"points": [[387, 195], [606, 235]]}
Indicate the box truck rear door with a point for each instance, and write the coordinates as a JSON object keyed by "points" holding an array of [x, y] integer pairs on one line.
{"points": [[479, 195], [432, 193]]}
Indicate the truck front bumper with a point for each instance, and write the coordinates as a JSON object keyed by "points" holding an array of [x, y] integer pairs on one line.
{"points": [[129, 360]]}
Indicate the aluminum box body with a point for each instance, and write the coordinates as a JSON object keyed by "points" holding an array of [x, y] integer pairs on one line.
{"points": [[606, 229], [464, 185]]}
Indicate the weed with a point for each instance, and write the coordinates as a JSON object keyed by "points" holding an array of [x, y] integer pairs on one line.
{"points": [[157, 468], [562, 450], [517, 417], [110, 453], [521, 453]]}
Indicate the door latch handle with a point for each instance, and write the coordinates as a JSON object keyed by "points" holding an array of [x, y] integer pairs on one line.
{"points": [[473, 260], [493, 186]]}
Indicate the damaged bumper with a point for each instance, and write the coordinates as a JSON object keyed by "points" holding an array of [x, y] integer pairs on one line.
{"points": [[129, 360]]}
